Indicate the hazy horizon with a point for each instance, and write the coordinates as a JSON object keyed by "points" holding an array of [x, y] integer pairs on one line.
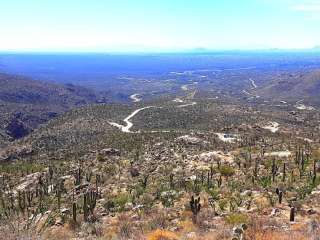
{"points": [[166, 26], [314, 49]]}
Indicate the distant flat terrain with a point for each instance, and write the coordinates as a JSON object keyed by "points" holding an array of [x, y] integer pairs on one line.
{"points": [[231, 74]]}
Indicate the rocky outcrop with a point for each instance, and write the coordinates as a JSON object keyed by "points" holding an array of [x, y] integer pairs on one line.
{"points": [[15, 152]]}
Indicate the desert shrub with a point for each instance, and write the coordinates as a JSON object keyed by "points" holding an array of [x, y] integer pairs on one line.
{"points": [[226, 171], [21, 167], [167, 198], [235, 185], [109, 205], [222, 204], [92, 229], [111, 169], [100, 158], [214, 193], [158, 221], [121, 200], [265, 181], [147, 201], [236, 218], [204, 218], [138, 190], [305, 190]]}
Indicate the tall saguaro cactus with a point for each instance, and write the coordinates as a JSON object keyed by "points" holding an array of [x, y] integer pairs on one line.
{"points": [[195, 208], [89, 203], [74, 212]]}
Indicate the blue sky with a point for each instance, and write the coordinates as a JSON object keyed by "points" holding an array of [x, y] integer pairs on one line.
{"points": [[157, 25]]}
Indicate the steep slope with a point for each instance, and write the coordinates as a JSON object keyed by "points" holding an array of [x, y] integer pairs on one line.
{"points": [[25, 103]]}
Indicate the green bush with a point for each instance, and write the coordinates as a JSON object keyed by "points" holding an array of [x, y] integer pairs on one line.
{"points": [[121, 200], [222, 204], [226, 171], [265, 181], [236, 218], [213, 193]]}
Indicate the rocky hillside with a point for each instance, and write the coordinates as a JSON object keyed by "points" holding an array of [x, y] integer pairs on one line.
{"points": [[25, 103], [169, 170]]}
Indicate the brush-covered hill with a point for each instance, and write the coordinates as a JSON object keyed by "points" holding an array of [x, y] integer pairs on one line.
{"points": [[26, 103], [92, 127], [293, 87]]}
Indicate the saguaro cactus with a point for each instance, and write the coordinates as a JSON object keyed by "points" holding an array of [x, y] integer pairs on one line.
{"points": [[74, 212], [284, 172], [274, 169], [85, 208], [92, 200], [78, 177], [195, 208], [314, 178], [292, 213], [219, 181], [280, 195], [89, 203]]}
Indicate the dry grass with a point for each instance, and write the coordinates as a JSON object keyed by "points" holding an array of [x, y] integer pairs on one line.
{"points": [[271, 235], [162, 235], [61, 233], [297, 231], [187, 226], [125, 227], [156, 221], [13, 229], [110, 233]]}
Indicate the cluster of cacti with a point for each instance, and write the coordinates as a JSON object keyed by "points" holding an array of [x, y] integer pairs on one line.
{"points": [[46, 191], [22, 201], [89, 203], [215, 178]]}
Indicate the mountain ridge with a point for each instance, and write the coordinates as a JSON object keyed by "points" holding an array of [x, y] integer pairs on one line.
{"points": [[27, 103]]}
